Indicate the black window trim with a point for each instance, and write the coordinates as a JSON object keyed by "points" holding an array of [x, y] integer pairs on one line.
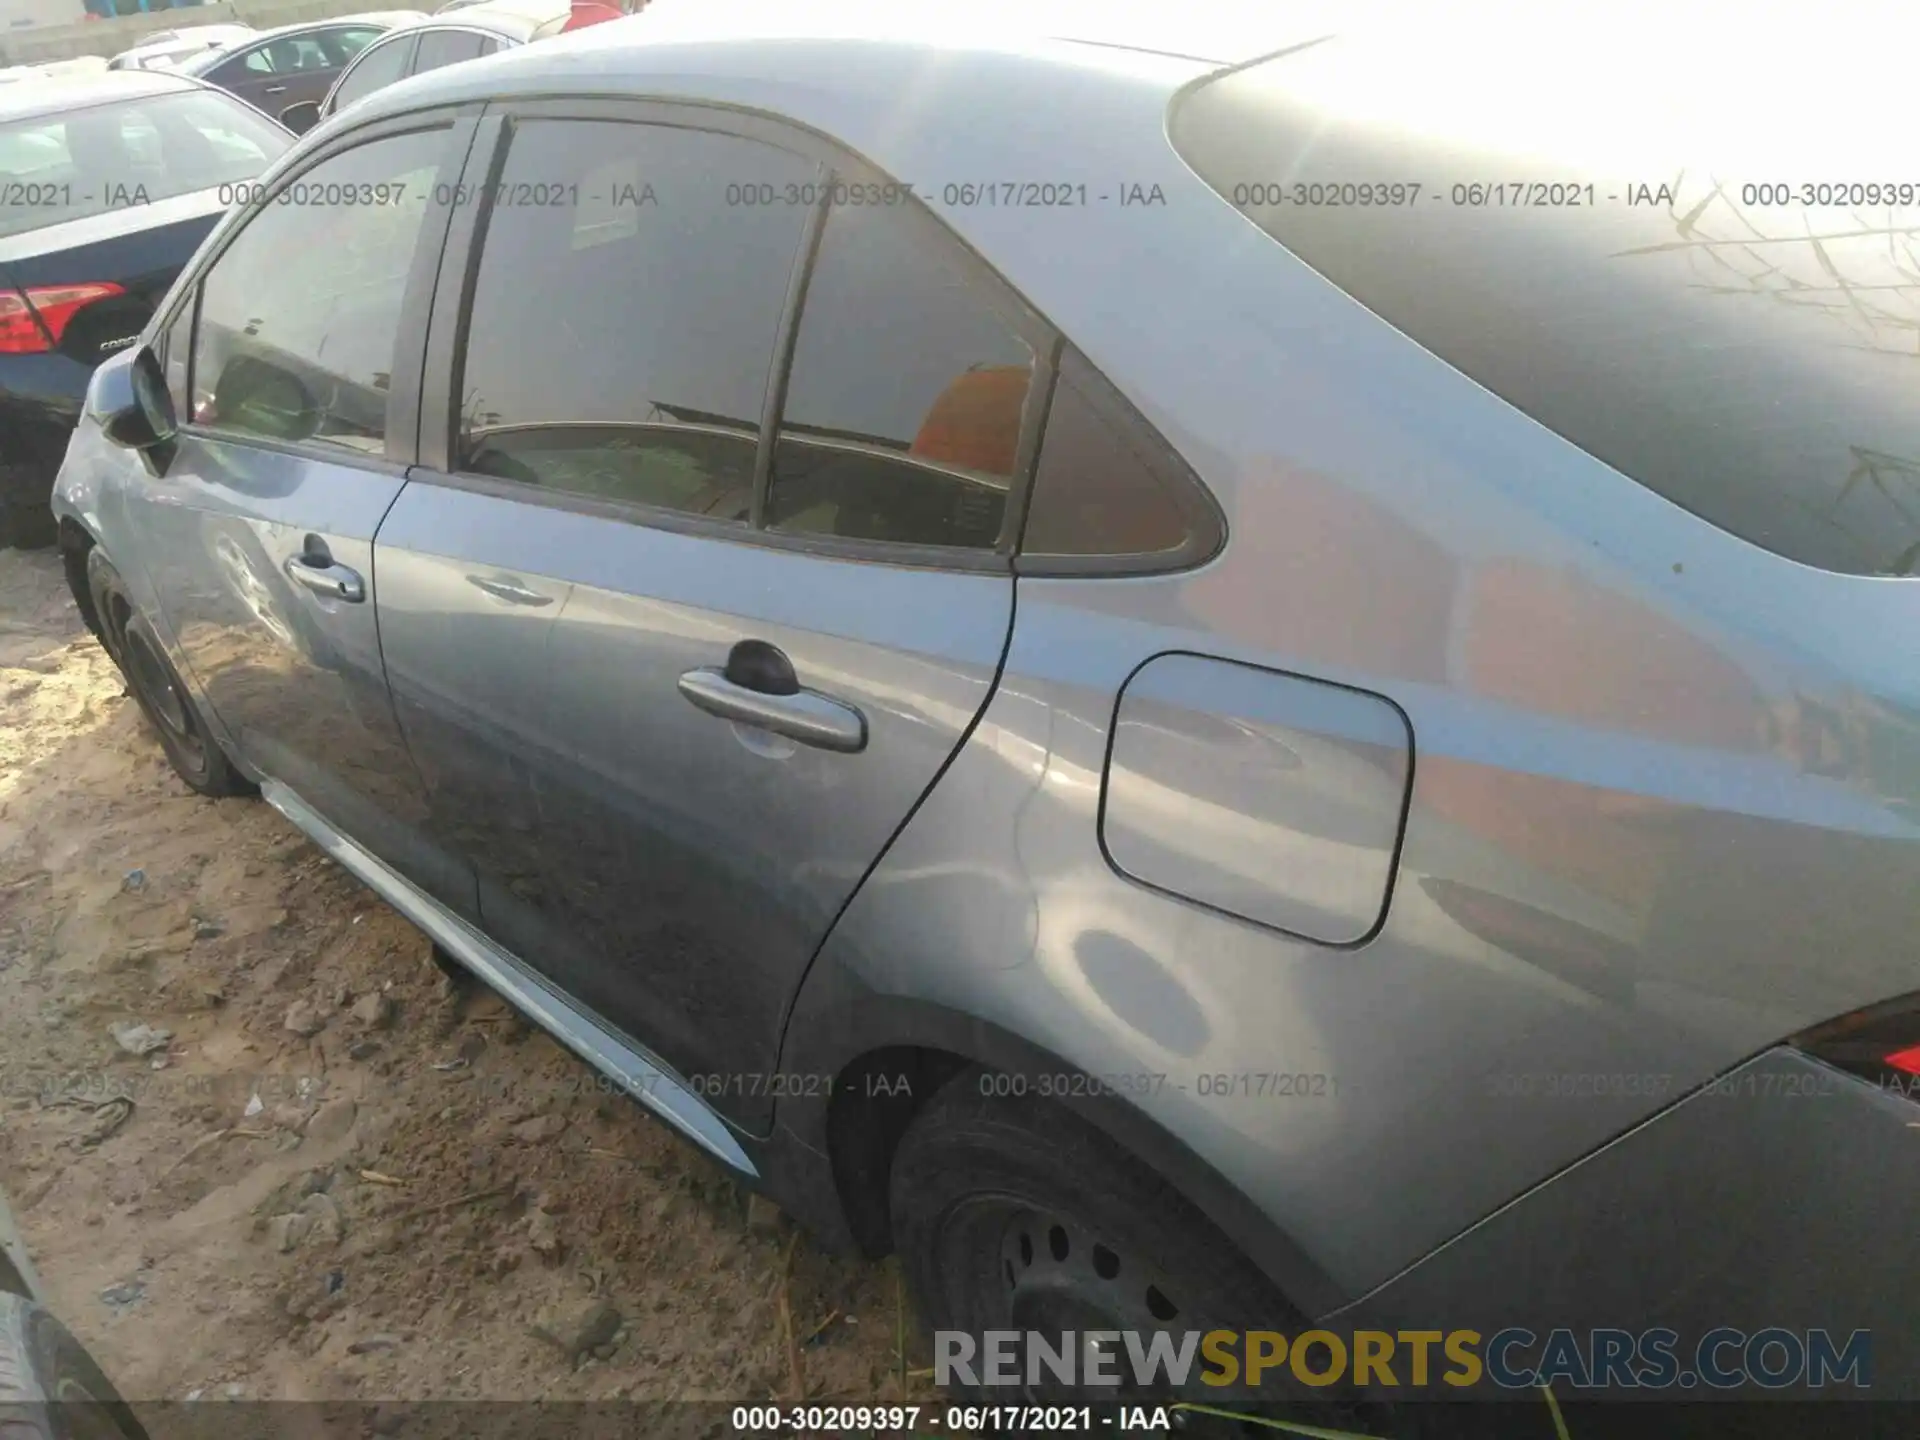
{"points": [[446, 347], [403, 396]]}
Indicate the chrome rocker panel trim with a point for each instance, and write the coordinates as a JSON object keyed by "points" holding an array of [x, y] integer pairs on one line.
{"points": [[622, 1060]]}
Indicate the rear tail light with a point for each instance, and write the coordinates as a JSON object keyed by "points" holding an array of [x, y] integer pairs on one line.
{"points": [[1880, 1043], [20, 333], [32, 321]]}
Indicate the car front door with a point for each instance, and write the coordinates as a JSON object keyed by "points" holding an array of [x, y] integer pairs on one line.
{"points": [[674, 674], [283, 71], [298, 347]]}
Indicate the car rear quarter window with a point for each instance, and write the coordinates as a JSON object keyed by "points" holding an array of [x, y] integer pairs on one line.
{"points": [[80, 163], [349, 41], [1109, 494], [904, 405], [446, 47], [625, 314], [299, 314], [1704, 284]]}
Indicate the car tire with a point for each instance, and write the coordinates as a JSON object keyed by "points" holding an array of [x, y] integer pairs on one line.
{"points": [[163, 698], [50, 1388], [1010, 1212]]}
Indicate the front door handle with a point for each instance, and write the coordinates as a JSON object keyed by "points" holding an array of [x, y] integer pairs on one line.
{"points": [[805, 715], [323, 577], [510, 591]]}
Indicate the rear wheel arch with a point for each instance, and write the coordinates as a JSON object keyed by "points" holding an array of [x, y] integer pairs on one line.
{"points": [[854, 1129]]}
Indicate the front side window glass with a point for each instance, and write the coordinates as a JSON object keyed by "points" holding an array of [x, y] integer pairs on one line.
{"points": [[298, 317]]}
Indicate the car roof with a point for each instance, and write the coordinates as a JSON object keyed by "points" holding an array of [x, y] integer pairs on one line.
{"points": [[770, 52], [54, 95]]}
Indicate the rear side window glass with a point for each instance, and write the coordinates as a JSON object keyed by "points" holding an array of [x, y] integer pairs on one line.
{"points": [[903, 408], [625, 316], [375, 70], [445, 47], [299, 315], [1108, 491], [1665, 296]]}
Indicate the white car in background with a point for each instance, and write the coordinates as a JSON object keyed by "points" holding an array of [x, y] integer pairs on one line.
{"points": [[164, 49]]}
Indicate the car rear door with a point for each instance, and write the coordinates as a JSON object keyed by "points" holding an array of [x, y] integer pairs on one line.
{"points": [[282, 71], [301, 340], [677, 658]]}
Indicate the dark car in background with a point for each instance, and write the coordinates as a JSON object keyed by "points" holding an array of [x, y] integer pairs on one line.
{"points": [[293, 63], [433, 41], [107, 187]]}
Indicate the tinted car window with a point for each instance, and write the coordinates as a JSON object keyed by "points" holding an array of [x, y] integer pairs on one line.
{"points": [[348, 42], [445, 47], [86, 162], [1108, 485], [298, 316], [1744, 349], [378, 68], [903, 408], [624, 316]]}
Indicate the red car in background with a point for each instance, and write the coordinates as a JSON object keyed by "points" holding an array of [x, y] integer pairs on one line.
{"points": [[592, 12]]}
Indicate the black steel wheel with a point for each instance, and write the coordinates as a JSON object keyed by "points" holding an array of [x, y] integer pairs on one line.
{"points": [[1012, 1213]]}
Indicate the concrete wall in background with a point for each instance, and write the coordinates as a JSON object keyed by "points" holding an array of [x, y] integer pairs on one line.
{"points": [[18, 15], [64, 36]]}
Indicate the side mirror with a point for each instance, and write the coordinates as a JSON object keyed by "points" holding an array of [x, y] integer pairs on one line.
{"points": [[128, 396], [301, 116]]}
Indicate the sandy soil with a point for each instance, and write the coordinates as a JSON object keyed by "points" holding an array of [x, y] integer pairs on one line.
{"points": [[421, 1183]]}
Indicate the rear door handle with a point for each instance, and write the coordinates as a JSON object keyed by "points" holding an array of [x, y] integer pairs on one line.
{"points": [[323, 577], [276, 90], [511, 591], [806, 715]]}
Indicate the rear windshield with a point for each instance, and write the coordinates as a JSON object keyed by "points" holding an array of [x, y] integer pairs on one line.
{"points": [[1710, 286], [81, 163]]}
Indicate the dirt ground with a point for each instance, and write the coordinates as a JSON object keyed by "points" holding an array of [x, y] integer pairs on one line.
{"points": [[339, 1176]]}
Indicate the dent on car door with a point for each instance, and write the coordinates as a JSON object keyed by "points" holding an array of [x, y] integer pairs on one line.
{"points": [[260, 527], [561, 610]]}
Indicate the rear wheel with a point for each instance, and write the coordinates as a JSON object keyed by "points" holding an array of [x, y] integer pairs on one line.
{"points": [[1012, 1213], [195, 755], [50, 1388]]}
